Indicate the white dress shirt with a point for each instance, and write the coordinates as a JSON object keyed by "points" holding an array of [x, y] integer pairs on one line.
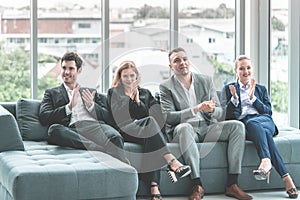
{"points": [[79, 112], [246, 102]]}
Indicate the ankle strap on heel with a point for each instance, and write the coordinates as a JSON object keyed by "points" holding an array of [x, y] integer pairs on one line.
{"points": [[285, 175]]}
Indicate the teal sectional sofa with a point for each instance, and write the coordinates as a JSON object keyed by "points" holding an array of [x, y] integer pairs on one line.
{"points": [[31, 169]]}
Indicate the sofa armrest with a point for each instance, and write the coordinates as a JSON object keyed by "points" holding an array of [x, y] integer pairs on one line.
{"points": [[10, 136]]}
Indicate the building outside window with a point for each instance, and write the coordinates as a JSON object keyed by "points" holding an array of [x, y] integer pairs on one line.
{"points": [[279, 61], [207, 24]]}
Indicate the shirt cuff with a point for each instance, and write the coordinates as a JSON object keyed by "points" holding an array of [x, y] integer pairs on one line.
{"points": [[253, 99], [91, 108], [234, 101], [68, 111], [194, 114]]}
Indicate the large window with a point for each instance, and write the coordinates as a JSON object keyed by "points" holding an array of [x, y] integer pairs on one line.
{"points": [[279, 61], [14, 50], [106, 32], [139, 31], [207, 32], [68, 26]]}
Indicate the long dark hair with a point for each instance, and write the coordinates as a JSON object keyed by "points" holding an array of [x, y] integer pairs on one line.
{"points": [[127, 64]]}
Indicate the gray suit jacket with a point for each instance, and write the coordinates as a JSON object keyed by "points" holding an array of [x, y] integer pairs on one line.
{"points": [[175, 105]]}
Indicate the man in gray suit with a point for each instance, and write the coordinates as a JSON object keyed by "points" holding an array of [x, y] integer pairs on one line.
{"points": [[190, 102]]}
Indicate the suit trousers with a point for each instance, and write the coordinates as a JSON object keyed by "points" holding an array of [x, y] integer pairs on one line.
{"points": [[260, 130], [231, 131], [147, 132], [90, 135]]}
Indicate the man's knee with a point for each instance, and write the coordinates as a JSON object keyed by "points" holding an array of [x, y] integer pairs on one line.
{"points": [[239, 128], [54, 130], [54, 133], [115, 137], [184, 131], [183, 127]]}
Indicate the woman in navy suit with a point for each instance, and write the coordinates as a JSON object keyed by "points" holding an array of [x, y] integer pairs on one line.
{"points": [[249, 102], [135, 112]]}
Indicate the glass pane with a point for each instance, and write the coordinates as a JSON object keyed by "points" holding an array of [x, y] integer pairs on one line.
{"points": [[68, 26], [279, 61], [207, 32], [139, 31], [14, 50]]}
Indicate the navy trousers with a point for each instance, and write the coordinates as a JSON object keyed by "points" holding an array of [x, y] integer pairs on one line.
{"points": [[260, 130]]}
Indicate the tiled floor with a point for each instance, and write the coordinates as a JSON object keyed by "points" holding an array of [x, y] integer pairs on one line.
{"points": [[263, 195]]}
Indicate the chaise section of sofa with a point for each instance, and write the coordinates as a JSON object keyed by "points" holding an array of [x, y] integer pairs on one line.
{"points": [[46, 171], [36, 170]]}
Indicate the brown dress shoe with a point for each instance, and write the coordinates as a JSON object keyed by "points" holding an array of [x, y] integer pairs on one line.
{"points": [[197, 193], [236, 192]]}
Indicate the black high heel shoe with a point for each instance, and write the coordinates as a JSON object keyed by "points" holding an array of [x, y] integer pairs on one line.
{"points": [[293, 193], [180, 172], [261, 174]]}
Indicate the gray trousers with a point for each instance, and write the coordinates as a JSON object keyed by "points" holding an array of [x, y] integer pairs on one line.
{"points": [[232, 131]]}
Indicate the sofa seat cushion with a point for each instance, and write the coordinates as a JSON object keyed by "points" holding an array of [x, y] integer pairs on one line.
{"points": [[46, 171]]}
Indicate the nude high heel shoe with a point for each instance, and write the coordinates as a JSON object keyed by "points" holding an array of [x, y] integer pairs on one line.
{"points": [[261, 174]]}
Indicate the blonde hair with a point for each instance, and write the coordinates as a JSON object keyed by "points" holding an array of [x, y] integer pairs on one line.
{"points": [[237, 60], [127, 64]]}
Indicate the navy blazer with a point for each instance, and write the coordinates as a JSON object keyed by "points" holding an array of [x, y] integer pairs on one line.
{"points": [[52, 110], [262, 103]]}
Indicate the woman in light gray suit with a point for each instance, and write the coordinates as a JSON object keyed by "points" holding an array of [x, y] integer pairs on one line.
{"points": [[192, 107]]}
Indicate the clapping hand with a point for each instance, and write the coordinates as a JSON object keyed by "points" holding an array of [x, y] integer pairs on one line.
{"points": [[135, 95], [206, 106], [252, 88], [74, 98], [88, 97], [233, 91]]}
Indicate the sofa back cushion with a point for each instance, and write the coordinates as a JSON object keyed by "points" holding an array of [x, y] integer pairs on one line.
{"points": [[27, 114], [10, 137]]}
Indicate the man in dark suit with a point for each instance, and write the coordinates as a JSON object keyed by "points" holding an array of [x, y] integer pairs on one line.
{"points": [[190, 102], [78, 117]]}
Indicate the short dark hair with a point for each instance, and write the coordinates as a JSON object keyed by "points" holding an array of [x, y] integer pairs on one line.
{"points": [[70, 56], [178, 49]]}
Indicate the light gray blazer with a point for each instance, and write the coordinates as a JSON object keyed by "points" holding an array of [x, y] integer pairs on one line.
{"points": [[175, 105]]}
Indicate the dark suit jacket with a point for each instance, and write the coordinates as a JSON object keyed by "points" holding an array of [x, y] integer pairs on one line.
{"points": [[52, 110], [124, 110], [262, 103], [176, 106]]}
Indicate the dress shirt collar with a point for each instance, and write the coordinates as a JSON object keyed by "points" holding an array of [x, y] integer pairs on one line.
{"points": [[69, 91], [242, 86], [192, 83]]}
